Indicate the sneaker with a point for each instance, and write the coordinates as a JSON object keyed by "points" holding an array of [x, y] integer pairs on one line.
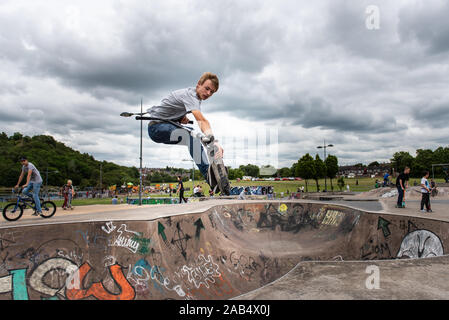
{"points": [[35, 213], [422, 210], [430, 210]]}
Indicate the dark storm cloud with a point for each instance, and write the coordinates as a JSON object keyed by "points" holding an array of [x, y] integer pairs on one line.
{"points": [[345, 27], [427, 24], [434, 114], [151, 53], [311, 113], [10, 116]]}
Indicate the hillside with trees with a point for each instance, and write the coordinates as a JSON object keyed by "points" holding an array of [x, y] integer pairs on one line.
{"points": [[61, 163]]}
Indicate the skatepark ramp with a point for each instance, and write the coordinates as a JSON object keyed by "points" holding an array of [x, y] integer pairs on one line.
{"points": [[221, 253]]}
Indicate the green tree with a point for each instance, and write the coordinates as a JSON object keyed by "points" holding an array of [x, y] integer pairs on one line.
{"points": [[305, 169], [341, 183], [423, 161], [250, 170], [401, 160], [156, 177], [441, 156], [198, 175], [331, 163], [293, 168], [374, 164], [233, 174], [285, 172], [320, 170]]}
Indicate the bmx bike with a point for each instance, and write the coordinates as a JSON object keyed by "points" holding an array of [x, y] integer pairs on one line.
{"points": [[14, 211], [218, 173]]}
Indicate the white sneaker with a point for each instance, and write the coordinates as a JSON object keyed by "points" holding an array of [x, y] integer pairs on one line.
{"points": [[423, 210]]}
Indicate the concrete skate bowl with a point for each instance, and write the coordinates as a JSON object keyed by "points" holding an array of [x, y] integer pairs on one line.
{"points": [[221, 253]]}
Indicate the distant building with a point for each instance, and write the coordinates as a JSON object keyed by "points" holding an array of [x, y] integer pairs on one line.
{"points": [[365, 171]]}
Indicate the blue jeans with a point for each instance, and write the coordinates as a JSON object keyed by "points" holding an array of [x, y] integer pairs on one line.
{"points": [[400, 196], [36, 187], [168, 133]]}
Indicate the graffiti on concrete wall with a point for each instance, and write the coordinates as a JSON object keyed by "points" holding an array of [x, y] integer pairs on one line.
{"points": [[421, 244], [297, 217], [178, 258], [70, 280], [404, 236], [375, 250], [332, 218], [123, 238], [180, 240], [201, 272]]}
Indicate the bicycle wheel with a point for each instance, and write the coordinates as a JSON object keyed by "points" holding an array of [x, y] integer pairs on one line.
{"points": [[12, 212], [48, 209]]}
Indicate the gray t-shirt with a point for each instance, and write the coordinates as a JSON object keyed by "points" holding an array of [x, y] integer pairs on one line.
{"points": [[35, 175], [176, 104]]}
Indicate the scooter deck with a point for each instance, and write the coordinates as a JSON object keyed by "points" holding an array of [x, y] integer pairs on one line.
{"points": [[218, 173]]}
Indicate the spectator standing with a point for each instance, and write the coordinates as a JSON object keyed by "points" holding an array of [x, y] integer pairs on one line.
{"points": [[433, 187], [386, 179], [181, 190], [425, 191], [68, 192], [402, 185]]}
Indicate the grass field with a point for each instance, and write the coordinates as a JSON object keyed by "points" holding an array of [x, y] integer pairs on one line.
{"points": [[355, 185]]}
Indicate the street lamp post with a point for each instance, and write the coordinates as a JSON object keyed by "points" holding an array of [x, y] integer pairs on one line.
{"points": [[128, 114], [324, 146], [140, 172], [101, 180]]}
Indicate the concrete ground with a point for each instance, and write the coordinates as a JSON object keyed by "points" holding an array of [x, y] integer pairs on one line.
{"points": [[399, 279]]}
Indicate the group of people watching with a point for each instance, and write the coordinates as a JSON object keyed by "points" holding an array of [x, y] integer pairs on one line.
{"points": [[198, 191]]}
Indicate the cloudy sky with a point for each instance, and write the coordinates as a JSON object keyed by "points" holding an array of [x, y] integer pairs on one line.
{"points": [[370, 77]]}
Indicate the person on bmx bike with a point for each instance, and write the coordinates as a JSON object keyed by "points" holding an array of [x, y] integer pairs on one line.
{"points": [[33, 182]]}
